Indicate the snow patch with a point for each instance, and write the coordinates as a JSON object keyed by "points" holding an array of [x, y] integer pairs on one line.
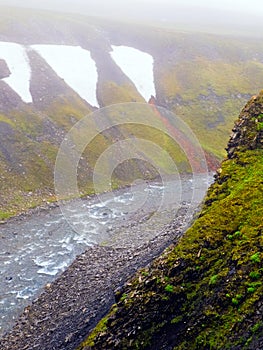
{"points": [[75, 66], [18, 63], [138, 66]]}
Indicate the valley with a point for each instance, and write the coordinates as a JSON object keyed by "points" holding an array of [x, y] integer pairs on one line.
{"points": [[204, 79], [111, 132], [37, 249], [66, 66]]}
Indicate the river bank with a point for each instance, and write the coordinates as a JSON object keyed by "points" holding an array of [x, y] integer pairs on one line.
{"points": [[69, 307], [128, 238]]}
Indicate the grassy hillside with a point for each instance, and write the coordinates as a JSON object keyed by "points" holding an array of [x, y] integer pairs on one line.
{"points": [[204, 79], [29, 143], [205, 292]]}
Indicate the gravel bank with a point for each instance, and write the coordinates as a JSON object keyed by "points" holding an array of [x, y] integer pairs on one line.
{"points": [[69, 307]]}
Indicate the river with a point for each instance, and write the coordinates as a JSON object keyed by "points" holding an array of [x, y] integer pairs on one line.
{"points": [[36, 248]]}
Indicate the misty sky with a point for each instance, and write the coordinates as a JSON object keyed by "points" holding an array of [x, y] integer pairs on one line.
{"points": [[243, 6], [238, 15]]}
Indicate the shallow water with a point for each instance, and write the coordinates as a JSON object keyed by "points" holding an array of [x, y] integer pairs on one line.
{"points": [[34, 250]]}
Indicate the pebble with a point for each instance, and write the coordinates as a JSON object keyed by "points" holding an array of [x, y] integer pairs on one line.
{"points": [[70, 306]]}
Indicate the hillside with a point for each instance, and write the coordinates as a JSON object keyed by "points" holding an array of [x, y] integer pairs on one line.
{"points": [[204, 79], [206, 291]]}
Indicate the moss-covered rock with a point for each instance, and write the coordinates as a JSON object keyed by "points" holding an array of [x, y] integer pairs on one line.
{"points": [[205, 292]]}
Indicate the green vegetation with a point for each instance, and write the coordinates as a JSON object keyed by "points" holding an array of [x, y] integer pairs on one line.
{"points": [[206, 87], [213, 279], [255, 275], [102, 326], [112, 93], [203, 293], [256, 257], [218, 304], [29, 153], [169, 288]]}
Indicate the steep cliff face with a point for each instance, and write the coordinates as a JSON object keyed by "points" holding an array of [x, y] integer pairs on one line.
{"points": [[205, 292], [248, 131]]}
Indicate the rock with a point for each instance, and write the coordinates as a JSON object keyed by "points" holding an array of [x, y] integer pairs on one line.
{"points": [[69, 307], [4, 70]]}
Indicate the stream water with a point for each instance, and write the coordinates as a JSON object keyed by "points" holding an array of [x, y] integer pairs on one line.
{"points": [[35, 249]]}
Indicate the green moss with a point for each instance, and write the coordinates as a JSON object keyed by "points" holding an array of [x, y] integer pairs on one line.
{"points": [[177, 319], [213, 279], [123, 297], [101, 327], [259, 126], [169, 288], [112, 93], [255, 275], [255, 258], [256, 327], [6, 215], [214, 302]]}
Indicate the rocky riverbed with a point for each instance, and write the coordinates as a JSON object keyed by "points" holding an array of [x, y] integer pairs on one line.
{"points": [[70, 306]]}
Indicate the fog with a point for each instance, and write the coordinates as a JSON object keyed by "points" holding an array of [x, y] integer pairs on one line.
{"points": [[233, 16]]}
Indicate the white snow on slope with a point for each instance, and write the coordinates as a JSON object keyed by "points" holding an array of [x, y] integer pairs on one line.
{"points": [[75, 66], [138, 66], [18, 63]]}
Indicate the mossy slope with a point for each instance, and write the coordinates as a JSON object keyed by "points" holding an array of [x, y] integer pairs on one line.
{"points": [[205, 292], [204, 79], [28, 147]]}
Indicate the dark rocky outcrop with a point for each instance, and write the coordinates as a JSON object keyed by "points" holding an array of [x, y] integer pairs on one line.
{"points": [[248, 131], [9, 99], [4, 70]]}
